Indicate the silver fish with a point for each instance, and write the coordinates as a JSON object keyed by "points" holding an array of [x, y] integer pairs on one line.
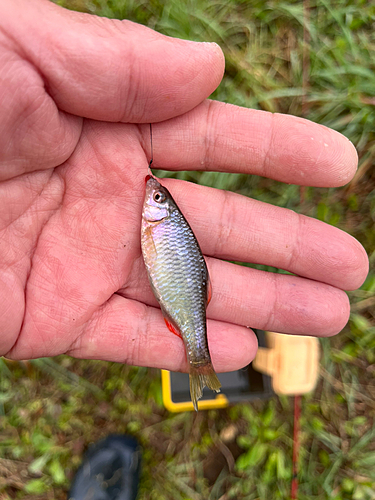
{"points": [[179, 279]]}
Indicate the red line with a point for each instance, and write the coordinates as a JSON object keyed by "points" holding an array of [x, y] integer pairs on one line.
{"points": [[297, 415]]}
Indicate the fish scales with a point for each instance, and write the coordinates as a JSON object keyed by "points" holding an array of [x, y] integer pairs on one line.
{"points": [[184, 296], [179, 278]]}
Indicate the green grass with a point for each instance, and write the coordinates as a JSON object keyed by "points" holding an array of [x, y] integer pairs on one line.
{"points": [[320, 66]]}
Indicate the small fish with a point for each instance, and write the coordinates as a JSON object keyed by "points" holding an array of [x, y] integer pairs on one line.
{"points": [[179, 279]]}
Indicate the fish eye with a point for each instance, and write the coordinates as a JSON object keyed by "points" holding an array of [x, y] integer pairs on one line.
{"points": [[159, 197]]}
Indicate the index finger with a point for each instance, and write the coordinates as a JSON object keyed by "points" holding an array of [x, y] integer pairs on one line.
{"points": [[225, 138]]}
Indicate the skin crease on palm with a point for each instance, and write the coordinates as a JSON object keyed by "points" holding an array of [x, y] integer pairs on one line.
{"points": [[77, 93]]}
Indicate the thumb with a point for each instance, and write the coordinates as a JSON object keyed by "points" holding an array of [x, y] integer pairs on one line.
{"points": [[112, 70]]}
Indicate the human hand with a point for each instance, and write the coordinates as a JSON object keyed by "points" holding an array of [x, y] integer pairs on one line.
{"points": [[72, 188]]}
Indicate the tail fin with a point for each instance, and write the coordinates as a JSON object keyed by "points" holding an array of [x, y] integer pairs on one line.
{"points": [[200, 377]]}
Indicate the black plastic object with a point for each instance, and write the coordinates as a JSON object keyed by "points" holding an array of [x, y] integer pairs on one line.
{"points": [[109, 471], [242, 385]]}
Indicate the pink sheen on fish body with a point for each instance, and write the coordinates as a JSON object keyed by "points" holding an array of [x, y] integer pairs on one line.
{"points": [[179, 279]]}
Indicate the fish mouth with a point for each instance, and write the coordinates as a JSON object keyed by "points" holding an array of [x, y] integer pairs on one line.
{"points": [[155, 221], [151, 177]]}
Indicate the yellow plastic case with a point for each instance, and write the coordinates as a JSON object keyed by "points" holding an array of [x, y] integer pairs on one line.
{"points": [[220, 401], [241, 385], [288, 365]]}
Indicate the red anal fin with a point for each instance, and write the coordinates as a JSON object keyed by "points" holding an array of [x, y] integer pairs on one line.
{"points": [[209, 291], [172, 329]]}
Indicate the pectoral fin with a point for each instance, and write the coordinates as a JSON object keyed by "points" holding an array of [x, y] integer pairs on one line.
{"points": [[209, 290], [172, 328]]}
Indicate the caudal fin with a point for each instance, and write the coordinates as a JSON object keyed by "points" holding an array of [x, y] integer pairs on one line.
{"points": [[200, 377]]}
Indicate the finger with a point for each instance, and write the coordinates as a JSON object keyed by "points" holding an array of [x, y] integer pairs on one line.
{"points": [[276, 302], [221, 137], [129, 332], [262, 300], [233, 227], [112, 70]]}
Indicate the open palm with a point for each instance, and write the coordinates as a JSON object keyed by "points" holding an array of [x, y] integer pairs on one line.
{"points": [[74, 155]]}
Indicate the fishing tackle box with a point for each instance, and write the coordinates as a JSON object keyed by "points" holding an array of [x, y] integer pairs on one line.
{"points": [[284, 364], [242, 385]]}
